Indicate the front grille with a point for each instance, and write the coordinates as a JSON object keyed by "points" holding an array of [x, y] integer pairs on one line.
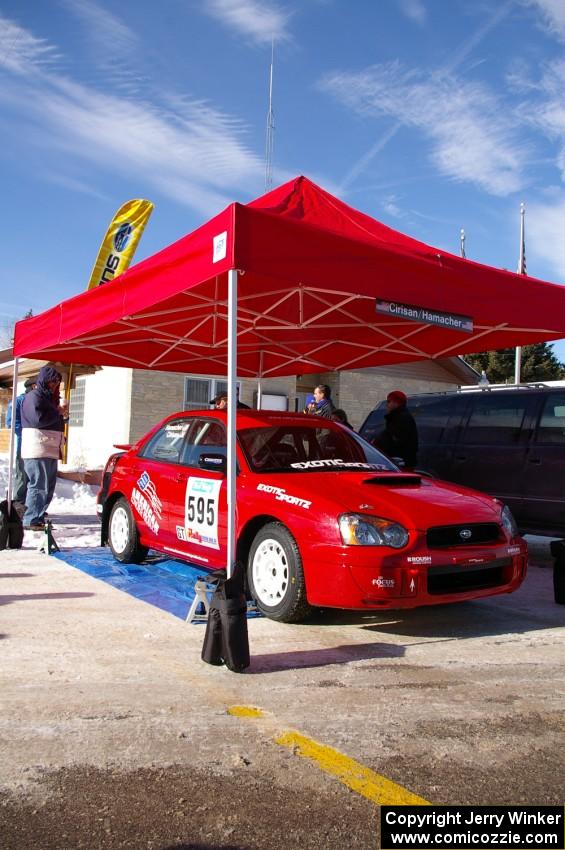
{"points": [[458, 579], [442, 536]]}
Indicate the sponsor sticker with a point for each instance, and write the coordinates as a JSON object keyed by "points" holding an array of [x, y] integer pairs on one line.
{"points": [[144, 510], [514, 550], [338, 463], [220, 246], [381, 581], [419, 559], [282, 496], [201, 508]]}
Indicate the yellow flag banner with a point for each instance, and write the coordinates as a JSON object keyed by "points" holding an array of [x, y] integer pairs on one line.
{"points": [[120, 241]]}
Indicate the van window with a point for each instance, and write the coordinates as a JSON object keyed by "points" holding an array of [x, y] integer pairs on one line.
{"points": [[552, 423], [437, 417], [496, 418]]}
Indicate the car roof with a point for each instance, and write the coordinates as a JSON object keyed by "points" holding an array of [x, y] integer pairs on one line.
{"points": [[249, 418]]}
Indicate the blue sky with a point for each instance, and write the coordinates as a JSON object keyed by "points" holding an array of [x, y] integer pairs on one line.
{"points": [[430, 116]]}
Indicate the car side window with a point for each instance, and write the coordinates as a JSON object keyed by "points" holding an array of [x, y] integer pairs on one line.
{"points": [[168, 443], [496, 419], [551, 429], [206, 435]]}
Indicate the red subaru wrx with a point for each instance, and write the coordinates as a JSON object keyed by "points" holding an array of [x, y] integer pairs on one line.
{"points": [[323, 518]]}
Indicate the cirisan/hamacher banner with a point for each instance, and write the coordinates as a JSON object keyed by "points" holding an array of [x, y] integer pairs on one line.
{"points": [[120, 241], [425, 315]]}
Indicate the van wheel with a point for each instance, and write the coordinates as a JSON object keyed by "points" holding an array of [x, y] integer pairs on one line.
{"points": [[559, 579], [123, 536], [276, 576]]}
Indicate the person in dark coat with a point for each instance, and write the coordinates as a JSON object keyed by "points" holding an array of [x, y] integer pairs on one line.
{"points": [[400, 435], [19, 491], [42, 436], [322, 405], [340, 416]]}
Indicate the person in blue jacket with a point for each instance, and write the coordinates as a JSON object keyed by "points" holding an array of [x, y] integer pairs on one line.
{"points": [[42, 436], [19, 488]]}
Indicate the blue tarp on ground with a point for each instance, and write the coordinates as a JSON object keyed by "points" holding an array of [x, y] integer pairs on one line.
{"points": [[160, 581]]}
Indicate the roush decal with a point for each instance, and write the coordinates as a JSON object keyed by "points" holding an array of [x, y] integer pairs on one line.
{"points": [[201, 509], [282, 496], [419, 559], [514, 550]]}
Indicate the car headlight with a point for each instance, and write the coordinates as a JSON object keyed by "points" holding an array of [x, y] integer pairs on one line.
{"points": [[508, 522], [362, 530]]}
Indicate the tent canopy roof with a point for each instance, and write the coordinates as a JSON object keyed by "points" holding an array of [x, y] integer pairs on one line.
{"points": [[312, 271]]}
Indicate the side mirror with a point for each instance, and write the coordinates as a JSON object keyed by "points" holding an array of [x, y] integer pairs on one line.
{"points": [[213, 462]]}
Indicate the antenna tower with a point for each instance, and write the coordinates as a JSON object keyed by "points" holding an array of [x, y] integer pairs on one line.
{"points": [[270, 140]]}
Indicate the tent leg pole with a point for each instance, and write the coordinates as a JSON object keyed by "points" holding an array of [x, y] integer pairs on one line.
{"points": [[232, 407], [12, 435]]}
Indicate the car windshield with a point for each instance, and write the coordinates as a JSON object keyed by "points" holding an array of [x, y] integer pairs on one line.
{"points": [[299, 448]]}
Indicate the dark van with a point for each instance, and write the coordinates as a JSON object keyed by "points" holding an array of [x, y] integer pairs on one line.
{"points": [[506, 441]]}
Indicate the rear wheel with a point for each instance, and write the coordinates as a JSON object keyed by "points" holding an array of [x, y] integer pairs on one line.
{"points": [[123, 536], [276, 576]]}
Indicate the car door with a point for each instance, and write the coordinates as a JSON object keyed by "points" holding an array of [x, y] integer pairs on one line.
{"points": [[156, 473], [197, 512], [543, 482], [491, 453]]}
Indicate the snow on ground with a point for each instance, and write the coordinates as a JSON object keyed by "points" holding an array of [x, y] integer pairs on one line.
{"points": [[72, 511]]}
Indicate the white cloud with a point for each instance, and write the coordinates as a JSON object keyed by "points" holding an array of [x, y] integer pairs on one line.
{"points": [[103, 27], [184, 148], [544, 233], [471, 136], [546, 111], [258, 20], [20, 51], [553, 15], [413, 9]]}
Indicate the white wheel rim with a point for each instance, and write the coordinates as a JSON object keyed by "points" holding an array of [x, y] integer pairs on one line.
{"points": [[270, 572], [119, 529]]}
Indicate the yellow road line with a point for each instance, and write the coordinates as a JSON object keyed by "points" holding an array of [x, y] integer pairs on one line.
{"points": [[245, 711], [360, 779], [365, 782]]}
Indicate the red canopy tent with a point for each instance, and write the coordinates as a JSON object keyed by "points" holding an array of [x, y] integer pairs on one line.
{"points": [[310, 271], [294, 282]]}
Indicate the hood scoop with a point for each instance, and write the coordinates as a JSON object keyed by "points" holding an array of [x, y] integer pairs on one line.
{"points": [[397, 479]]}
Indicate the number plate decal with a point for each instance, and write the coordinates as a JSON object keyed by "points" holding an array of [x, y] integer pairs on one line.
{"points": [[201, 512]]}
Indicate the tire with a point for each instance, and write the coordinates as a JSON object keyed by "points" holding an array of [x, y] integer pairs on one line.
{"points": [[276, 576], [559, 579], [123, 536]]}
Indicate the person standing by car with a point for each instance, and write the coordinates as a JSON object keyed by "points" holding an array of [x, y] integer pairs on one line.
{"points": [[19, 491], [400, 435], [322, 404], [42, 435]]}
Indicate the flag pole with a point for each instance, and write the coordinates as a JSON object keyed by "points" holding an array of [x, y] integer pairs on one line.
{"points": [[462, 245], [521, 270]]}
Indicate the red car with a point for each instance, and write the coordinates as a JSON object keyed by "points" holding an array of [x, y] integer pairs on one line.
{"points": [[323, 518]]}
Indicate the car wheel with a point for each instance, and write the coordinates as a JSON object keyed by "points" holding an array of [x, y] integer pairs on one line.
{"points": [[123, 536], [276, 576], [559, 579]]}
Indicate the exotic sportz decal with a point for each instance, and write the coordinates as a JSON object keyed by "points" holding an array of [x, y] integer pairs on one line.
{"points": [[339, 464], [282, 496]]}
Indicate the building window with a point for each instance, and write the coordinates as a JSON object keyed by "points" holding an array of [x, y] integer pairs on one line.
{"points": [[199, 391], [76, 407]]}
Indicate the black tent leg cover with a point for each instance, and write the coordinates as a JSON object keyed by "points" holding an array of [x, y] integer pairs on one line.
{"points": [[212, 646]]}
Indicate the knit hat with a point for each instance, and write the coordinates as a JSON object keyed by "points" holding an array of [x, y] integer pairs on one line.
{"points": [[30, 383], [398, 396]]}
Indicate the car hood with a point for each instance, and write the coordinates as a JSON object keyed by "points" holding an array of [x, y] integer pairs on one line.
{"points": [[415, 501]]}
